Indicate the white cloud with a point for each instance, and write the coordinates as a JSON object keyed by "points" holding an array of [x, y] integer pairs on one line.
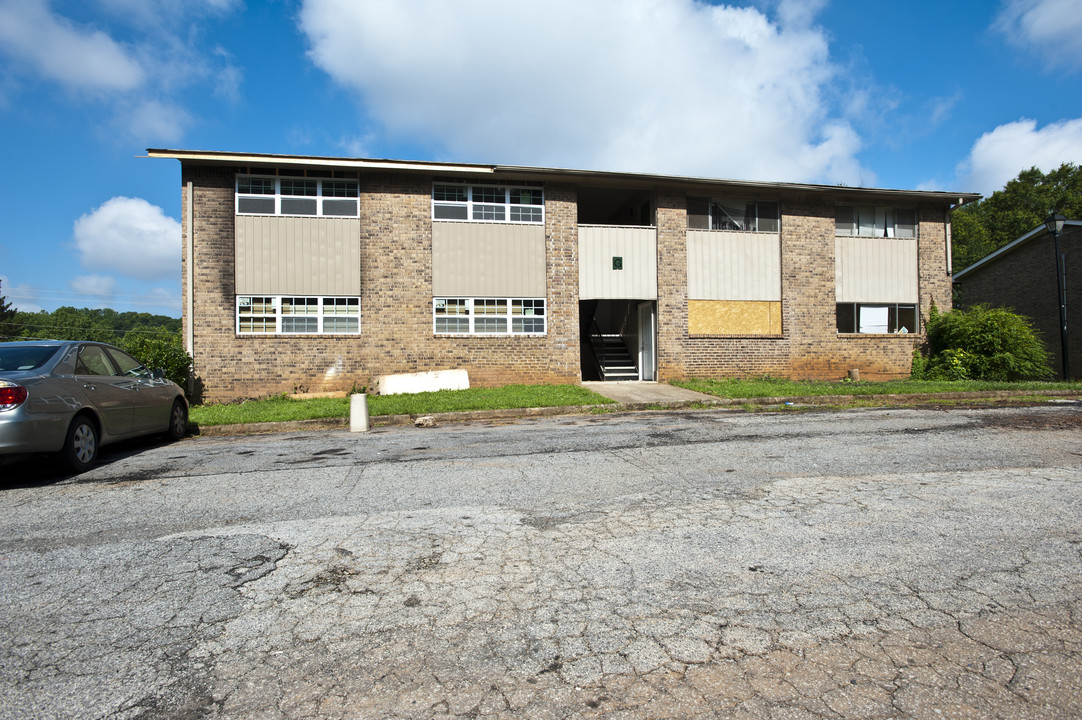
{"points": [[131, 237], [1051, 29], [153, 120], [100, 288], [80, 59], [999, 155], [21, 297], [715, 90]]}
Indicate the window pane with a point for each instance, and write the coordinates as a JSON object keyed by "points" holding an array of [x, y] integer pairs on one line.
{"points": [[298, 206], [255, 206], [865, 217], [528, 324], [339, 188], [485, 194], [907, 318], [449, 193], [768, 217], [255, 186], [490, 324], [257, 324], [527, 196], [728, 214], [299, 187], [299, 306], [698, 213], [252, 305], [450, 212], [873, 318], [452, 325], [843, 222], [340, 306], [905, 224], [846, 318], [488, 212], [293, 324], [340, 208], [489, 306], [340, 325], [526, 214]]}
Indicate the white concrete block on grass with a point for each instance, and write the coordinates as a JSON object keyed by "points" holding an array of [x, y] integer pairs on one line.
{"points": [[422, 382]]}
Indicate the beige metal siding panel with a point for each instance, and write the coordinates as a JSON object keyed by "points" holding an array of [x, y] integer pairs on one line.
{"points": [[297, 256], [638, 248], [488, 260], [876, 270], [733, 265]]}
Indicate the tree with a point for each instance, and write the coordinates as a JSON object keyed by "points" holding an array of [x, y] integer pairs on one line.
{"points": [[7, 316], [982, 227]]}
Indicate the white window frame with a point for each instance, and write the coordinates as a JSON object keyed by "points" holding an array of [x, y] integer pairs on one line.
{"points": [[509, 310], [276, 317], [882, 219], [327, 189], [480, 206]]}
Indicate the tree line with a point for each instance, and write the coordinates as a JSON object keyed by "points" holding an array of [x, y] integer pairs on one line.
{"points": [[154, 339], [983, 227]]}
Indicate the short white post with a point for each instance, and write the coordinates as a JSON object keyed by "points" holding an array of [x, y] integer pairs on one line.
{"points": [[358, 412]]}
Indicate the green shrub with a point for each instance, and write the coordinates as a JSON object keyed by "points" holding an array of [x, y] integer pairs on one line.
{"points": [[165, 351], [985, 343]]}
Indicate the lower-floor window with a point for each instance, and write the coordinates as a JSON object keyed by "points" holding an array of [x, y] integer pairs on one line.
{"points": [[488, 316], [880, 318], [290, 314]]}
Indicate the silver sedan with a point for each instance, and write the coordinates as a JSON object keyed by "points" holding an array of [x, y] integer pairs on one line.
{"points": [[72, 397]]}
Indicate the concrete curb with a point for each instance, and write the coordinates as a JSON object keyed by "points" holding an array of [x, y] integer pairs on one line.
{"points": [[901, 400]]}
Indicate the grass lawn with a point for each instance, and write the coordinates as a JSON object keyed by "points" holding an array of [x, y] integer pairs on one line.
{"points": [[777, 387], [281, 408]]}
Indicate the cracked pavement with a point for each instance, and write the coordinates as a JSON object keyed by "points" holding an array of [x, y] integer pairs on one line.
{"points": [[862, 564]]}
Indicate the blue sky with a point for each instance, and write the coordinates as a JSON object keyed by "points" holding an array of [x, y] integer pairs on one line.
{"points": [[956, 95]]}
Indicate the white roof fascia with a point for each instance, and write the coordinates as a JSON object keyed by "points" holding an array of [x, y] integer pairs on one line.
{"points": [[460, 168], [360, 164]]}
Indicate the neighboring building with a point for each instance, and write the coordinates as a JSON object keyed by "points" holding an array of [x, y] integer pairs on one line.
{"points": [[1021, 275], [318, 273]]}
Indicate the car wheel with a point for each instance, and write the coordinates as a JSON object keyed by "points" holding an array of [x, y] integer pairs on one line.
{"points": [[81, 446], [178, 420]]}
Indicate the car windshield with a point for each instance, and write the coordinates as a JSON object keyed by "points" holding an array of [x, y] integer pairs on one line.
{"points": [[24, 357]]}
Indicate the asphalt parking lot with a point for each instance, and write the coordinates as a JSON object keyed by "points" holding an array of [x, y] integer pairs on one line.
{"points": [[696, 564]]}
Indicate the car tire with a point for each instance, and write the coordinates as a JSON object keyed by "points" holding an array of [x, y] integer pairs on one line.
{"points": [[81, 445], [178, 421]]}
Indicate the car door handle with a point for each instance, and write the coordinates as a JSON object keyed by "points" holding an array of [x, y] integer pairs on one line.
{"points": [[88, 386]]}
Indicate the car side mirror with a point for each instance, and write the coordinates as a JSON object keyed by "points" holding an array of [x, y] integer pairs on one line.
{"points": [[157, 374]]}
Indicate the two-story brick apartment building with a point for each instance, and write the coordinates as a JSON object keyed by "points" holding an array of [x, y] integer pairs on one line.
{"points": [[318, 273]]}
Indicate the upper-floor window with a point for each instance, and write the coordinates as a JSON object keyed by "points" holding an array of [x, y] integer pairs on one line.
{"points": [[732, 214], [308, 197], [489, 203], [874, 221]]}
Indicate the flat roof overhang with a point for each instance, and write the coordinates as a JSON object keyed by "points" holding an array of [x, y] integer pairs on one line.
{"points": [[588, 177]]}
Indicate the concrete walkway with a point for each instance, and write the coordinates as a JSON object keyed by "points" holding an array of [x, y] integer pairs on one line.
{"points": [[634, 391]]}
